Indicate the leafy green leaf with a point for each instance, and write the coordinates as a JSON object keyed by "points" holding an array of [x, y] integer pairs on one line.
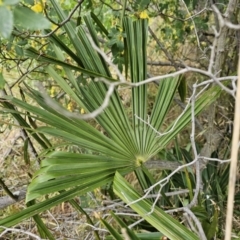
{"points": [[150, 235], [25, 152], [211, 228], [6, 22], [19, 51], [201, 103], [141, 4], [182, 88], [187, 2], [42, 228], [71, 169], [30, 20], [163, 222], [136, 38], [10, 2], [112, 230], [126, 232], [47, 204], [2, 81], [99, 23], [33, 53]]}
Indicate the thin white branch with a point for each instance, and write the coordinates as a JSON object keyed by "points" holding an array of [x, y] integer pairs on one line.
{"points": [[29, 234], [172, 128], [196, 14], [224, 21], [209, 81], [108, 60], [201, 233], [216, 160], [54, 105], [190, 222], [111, 87], [79, 2], [136, 223], [96, 228], [213, 52], [162, 182], [194, 148], [195, 29]]}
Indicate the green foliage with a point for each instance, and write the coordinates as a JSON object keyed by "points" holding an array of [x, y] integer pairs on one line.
{"points": [[125, 230], [12, 14], [6, 21], [213, 198], [2, 81], [28, 19], [158, 218], [140, 5]]}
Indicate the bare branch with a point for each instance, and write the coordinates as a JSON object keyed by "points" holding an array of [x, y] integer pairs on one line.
{"points": [[62, 23], [7, 201], [29, 234]]}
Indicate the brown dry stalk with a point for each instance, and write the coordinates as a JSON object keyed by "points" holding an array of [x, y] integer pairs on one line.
{"points": [[234, 160]]}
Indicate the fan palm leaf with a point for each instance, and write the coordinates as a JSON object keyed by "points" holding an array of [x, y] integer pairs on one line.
{"points": [[125, 143]]}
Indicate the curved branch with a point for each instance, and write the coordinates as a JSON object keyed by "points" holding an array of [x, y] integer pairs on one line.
{"points": [[7, 201]]}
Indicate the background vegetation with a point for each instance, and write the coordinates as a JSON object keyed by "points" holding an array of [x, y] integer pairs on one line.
{"points": [[117, 119]]}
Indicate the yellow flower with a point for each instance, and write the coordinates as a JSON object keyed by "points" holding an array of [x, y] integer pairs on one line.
{"points": [[33, 44], [53, 90], [38, 7], [70, 106], [82, 111], [143, 15]]}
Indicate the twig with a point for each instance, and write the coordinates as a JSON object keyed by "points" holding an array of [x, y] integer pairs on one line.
{"points": [[7, 201], [168, 55], [6, 189], [19, 231], [68, 114], [159, 63], [62, 23], [195, 29], [201, 233], [194, 148]]}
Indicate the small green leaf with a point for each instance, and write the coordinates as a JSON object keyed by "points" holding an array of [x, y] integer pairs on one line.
{"points": [[182, 88], [214, 225], [22, 42], [187, 2], [28, 19], [112, 230], [142, 4], [29, 2], [99, 23], [10, 2], [42, 228], [6, 22], [2, 81], [25, 152], [194, 4], [10, 42], [128, 232], [19, 51]]}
